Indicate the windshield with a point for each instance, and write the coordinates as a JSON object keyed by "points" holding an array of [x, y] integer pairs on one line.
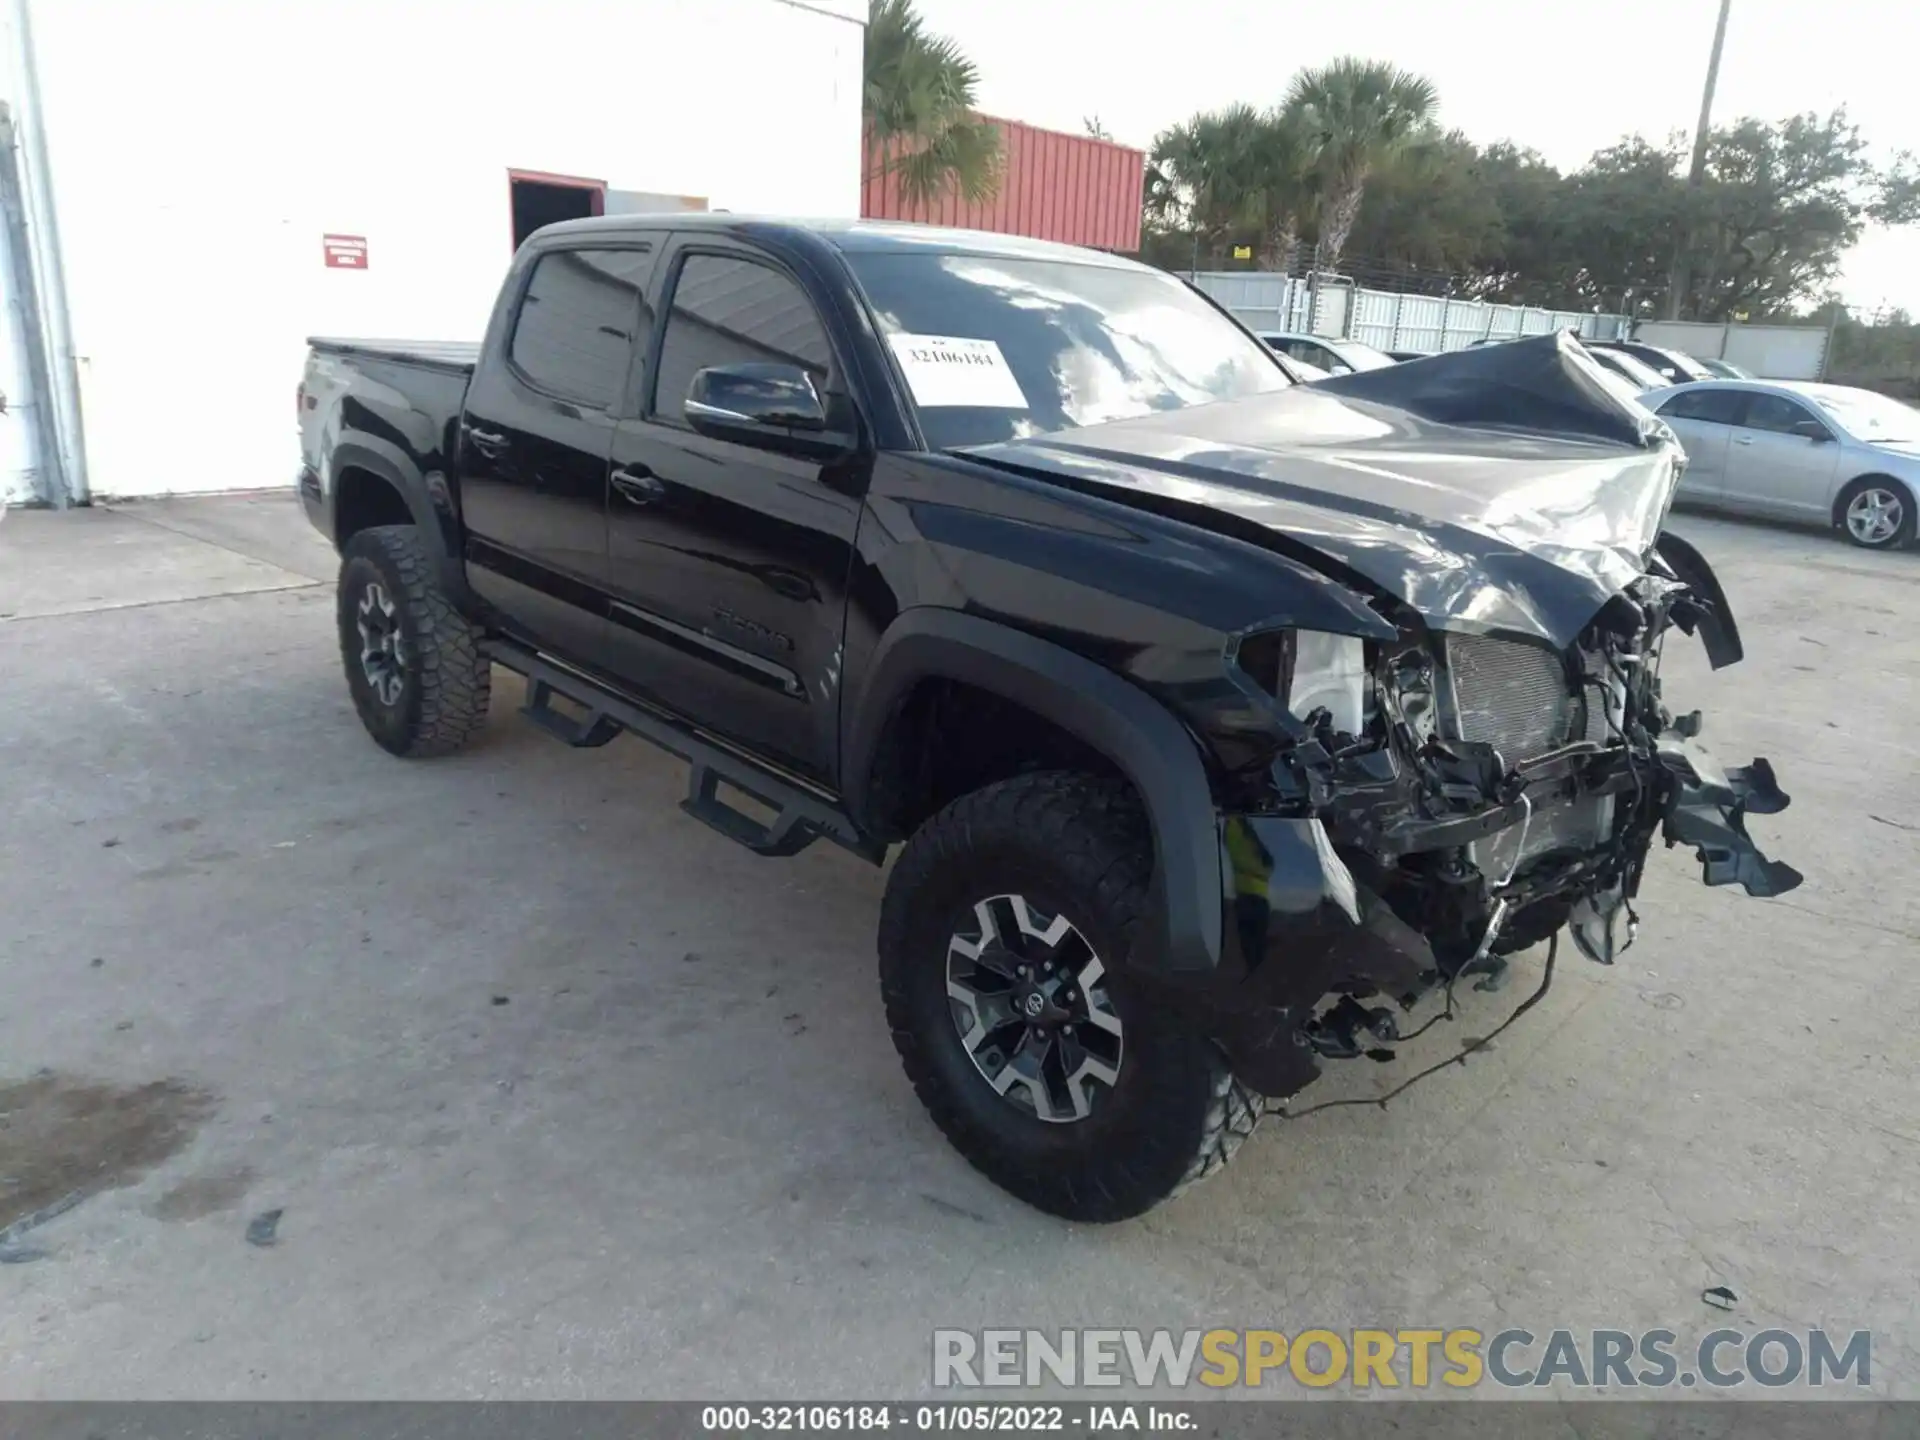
{"points": [[1640, 373], [1868, 416], [1685, 366], [996, 348], [1362, 356]]}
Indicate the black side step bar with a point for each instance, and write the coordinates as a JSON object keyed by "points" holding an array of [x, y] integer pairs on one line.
{"points": [[800, 818]]}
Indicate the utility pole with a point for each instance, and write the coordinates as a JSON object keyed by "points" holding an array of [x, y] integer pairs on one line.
{"points": [[1696, 173]]}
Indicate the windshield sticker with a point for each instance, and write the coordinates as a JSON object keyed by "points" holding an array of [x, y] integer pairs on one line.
{"points": [[950, 370]]}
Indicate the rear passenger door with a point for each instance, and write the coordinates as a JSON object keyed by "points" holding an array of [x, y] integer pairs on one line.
{"points": [[535, 436], [1704, 420], [728, 564]]}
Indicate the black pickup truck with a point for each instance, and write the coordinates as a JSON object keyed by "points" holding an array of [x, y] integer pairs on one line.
{"points": [[1223, 720]]}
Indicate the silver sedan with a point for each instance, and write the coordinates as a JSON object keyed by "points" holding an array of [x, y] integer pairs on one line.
{"points": [[1824, 454]]}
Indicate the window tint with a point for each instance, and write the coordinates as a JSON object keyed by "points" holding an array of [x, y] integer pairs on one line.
{"points": [[1719, 407], [729, 312], [576, 326], [1776, 413]]}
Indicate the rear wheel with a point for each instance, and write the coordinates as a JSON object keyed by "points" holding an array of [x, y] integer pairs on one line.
{"points": [[1007, 921], [1877, 513], [413, 662]]}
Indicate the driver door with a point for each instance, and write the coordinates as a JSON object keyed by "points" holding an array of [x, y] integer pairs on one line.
{"points": [[1774, 468], [728, 564]]}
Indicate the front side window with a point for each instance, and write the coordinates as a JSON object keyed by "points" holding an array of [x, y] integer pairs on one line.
{"points": [[997, 348], [1779, 415], [1716, 407], [730, 311], [575, 331]]}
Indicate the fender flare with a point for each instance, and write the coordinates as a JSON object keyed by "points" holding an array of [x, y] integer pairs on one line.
{"points": [[434, 517], [1141, 736], [1719, 632]]}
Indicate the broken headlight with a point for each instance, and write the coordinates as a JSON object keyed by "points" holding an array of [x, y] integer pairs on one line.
{"points": [[1309, 670]]}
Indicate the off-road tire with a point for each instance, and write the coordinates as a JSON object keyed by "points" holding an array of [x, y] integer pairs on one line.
{"points": [[1078, 845], [442, 703]]}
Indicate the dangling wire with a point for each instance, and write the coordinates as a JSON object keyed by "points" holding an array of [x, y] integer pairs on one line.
{"points": [[1460, 1058]]}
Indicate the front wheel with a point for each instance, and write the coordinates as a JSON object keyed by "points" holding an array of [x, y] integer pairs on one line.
{"points": [[1876, 513], [1003, 939], [413, 662]]}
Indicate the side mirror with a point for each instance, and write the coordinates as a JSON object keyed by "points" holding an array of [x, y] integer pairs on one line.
{"points": [[1811, 430], [767, 406]]}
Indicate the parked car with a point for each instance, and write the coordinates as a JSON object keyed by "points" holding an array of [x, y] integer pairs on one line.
{"points": [[1333, 357], [1402, 356], [1723, 369], [1673, 367], [1220, 719], [1824, 454], [1637, 373]]}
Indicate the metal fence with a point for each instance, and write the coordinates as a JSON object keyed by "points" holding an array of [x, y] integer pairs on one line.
{"points": [[1335, 307]]}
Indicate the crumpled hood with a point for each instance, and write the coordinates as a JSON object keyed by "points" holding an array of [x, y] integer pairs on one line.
{"points": [[1506, 488]]}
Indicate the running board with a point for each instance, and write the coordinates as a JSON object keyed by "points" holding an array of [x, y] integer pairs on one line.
{"points": [[589, 734], [800, 817]]}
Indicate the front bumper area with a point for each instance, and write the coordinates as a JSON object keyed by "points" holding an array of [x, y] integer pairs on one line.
{"points": [[1301, 924]]}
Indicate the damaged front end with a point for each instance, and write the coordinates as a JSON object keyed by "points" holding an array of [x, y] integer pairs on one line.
{"points": [[1447, 741], [1446, 798]]}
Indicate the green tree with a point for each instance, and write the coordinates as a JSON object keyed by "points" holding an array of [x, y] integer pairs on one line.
{"points": [[1429, 207], [1237, 175], [1357, 114], [917, 110]]}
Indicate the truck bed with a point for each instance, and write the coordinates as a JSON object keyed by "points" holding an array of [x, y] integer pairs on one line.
{"points": [[458, 356]]}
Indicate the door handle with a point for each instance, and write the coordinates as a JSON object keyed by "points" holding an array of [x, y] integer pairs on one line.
{"points": [[638, 485], [487, 442], [1743, 439]]}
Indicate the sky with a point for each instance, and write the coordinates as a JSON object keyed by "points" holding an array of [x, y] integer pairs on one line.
{"points": [[1564, 77]]}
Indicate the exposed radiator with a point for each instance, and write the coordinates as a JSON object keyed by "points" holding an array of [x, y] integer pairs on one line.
{"points": [[1517, 699], [1573, 825], [1513, 697]]}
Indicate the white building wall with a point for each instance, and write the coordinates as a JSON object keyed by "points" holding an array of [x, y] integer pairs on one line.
{"points": [[201, 148]]}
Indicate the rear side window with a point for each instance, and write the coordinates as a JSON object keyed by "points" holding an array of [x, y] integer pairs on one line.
{"points": [[1718, 407], [575, 331], [728, 311]]}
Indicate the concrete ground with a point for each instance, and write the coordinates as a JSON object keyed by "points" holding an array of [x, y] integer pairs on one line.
{"points": [[561, 1094]]}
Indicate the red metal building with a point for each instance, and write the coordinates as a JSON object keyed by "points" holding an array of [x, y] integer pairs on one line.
{"points": [[1071, 188]]}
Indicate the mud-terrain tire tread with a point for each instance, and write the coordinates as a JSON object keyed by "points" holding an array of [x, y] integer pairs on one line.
{"points": [[1090, 834], [450, 683]]}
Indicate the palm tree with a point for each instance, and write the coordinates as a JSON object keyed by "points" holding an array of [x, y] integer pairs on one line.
{"points": [[917, 110], [1230, 173], [1357, 113]]}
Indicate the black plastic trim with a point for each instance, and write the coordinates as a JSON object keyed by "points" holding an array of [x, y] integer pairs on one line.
{"points": [[1719, 632], [803, 815], [1124, 723]]}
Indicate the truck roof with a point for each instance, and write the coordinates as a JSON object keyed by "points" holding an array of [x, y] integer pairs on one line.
{"points": [[853, 236]]}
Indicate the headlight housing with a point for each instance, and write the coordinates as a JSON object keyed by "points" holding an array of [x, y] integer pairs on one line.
{"points": [[1308, 670]]}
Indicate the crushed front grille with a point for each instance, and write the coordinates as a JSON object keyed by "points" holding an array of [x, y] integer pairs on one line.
{"points": [[1513, 697]]}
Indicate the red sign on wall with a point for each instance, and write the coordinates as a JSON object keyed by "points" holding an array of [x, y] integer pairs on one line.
{"points": [[345, 252]]}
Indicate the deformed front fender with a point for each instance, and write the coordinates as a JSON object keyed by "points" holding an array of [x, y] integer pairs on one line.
{"points": [[1141, 736], [1718, 631]]}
